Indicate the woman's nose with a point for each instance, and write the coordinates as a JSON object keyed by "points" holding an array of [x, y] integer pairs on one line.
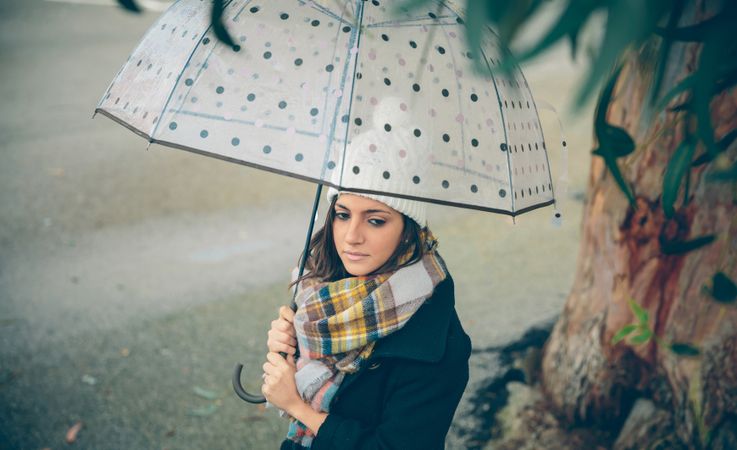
{"points": [[354, 234]]}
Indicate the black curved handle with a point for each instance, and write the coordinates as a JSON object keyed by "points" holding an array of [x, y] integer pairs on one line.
{"points": [[238, 387]]}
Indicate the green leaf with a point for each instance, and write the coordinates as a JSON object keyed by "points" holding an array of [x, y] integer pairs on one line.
{"points": [[621, 334], [684, 349], [639, 312], [615, 142], [680, 247], [623, 186], [130, 5], [726, 80], [723, 290], [570, 22], [678, 165], [705, 79], [204, 411], [410, 5], [602, 107], [509, 15], [205, 393], [629, 22], [664, 50], [216, 21], [475, 24], [723, 145], [693, 33], [642, 337]]}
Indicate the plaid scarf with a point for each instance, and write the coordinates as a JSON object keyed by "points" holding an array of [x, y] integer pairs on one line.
{"points": [[338, 323]]}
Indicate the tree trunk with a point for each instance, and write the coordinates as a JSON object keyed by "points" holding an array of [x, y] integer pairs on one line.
{"points": [[587, 379]]}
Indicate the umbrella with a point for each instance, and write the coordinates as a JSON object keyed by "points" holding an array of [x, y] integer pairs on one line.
{"points": [[345, 93]]}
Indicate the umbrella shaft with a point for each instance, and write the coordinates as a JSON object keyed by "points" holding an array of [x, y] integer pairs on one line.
{"points": [[305, 252]]}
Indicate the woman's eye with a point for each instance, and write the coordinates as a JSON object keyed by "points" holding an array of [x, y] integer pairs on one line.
{"points": [[377, 222], [341, 215]]}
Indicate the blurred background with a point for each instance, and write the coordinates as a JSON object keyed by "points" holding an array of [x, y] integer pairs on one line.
{"points": [[132, 279]]}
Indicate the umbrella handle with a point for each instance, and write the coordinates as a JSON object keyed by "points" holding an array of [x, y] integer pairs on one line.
{"points": [[237, 387], [242, 393]]}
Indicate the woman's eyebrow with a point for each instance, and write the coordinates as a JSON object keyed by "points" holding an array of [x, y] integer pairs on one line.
{"points": [[368, 211]]}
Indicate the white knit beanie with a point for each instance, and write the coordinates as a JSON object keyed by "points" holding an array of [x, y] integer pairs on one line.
{"points": [[413, 209], [383, 161]]}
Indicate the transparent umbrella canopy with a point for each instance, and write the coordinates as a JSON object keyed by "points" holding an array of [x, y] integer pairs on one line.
{"points": [[346, 93], [341, 93]]}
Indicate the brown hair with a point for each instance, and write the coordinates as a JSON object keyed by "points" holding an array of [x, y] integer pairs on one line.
{"points": [[324, 262]]}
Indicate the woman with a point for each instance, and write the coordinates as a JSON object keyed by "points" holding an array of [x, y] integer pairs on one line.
{"points": [[383, 358]]}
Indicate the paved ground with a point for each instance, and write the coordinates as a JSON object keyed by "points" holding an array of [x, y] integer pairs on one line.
{"points": [[131, 280]]}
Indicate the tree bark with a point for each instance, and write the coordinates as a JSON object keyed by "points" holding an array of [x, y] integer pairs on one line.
{"points": [[587, 379]]}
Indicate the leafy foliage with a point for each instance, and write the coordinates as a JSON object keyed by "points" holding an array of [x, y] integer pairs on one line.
{"points": [[723, 290], [640, 333], [641, 326], [614, 142]]}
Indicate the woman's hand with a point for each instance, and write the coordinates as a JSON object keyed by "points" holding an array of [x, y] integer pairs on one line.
{"points": [[281, 336], [279, 386]]}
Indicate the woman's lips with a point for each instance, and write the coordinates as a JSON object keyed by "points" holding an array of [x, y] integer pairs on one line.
{"points": [[355, 256]]}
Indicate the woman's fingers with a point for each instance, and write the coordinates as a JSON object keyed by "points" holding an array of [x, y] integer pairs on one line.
{"points": [[276, 360], [283, 326], [278, 339], [282, 336], [277, 347], [268, 368], [286, 313]]}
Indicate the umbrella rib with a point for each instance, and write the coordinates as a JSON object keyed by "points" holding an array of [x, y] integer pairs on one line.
{"points": [[245, 122], [330, 13], [468, 171], [353, 86], [504, 124], [179, 75], [407, 25], [336, 110], [542, 136], [458, 98], [238, 14]]}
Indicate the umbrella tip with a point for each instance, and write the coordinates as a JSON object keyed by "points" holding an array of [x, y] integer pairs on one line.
{"points": [[557, 219]]}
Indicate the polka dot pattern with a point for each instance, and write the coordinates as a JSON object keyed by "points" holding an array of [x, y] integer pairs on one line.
{"points": [[398, 109]]}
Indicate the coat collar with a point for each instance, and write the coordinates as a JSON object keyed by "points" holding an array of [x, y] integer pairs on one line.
{"points": [[423, 337]]}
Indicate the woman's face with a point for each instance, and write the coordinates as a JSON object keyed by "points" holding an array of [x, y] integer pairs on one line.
{"points": [[366, 233]]}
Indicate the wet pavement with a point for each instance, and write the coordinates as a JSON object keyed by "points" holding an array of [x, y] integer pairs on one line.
{"points": [[132, 279]]}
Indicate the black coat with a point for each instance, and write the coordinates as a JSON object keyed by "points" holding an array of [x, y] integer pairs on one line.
{"points": [[404, 396]]}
